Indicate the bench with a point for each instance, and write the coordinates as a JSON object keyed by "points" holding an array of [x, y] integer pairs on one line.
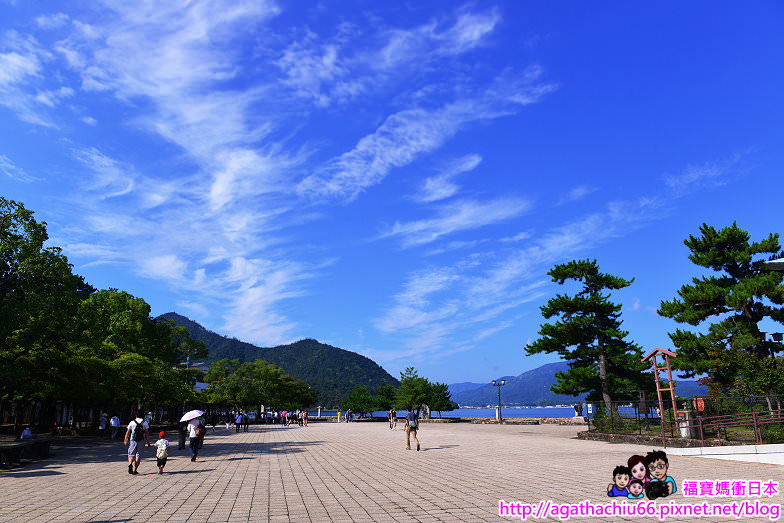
{"points": [[34, 448]]}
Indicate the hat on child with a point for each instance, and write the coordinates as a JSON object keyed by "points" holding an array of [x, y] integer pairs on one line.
{"points": [[162, 434]]}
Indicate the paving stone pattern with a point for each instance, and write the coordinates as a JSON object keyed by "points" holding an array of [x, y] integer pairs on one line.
{"points": [[341, 472]]}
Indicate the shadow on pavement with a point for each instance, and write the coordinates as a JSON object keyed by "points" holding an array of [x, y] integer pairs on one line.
{"points": [[173, 472], [107, 451], [30, 474], [440, 447]]}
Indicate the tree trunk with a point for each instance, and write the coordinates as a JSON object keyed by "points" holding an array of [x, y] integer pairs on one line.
{"points": [[18, 418], [603, 377]]}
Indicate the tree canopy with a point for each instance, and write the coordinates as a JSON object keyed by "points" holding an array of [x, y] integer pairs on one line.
{"points": [[730, 303], [588, 335], [61, 339], [257, 383]]}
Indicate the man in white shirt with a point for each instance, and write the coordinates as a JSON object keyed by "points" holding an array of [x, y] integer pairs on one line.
{"points": [[137, 435], [115, 424]]}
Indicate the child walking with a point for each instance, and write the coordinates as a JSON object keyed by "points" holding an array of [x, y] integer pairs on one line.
{"points": [[163, 450]]}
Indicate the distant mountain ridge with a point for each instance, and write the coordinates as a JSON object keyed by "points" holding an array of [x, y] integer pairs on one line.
{"points": [[333, 372], [533, 388], [457, 388]]}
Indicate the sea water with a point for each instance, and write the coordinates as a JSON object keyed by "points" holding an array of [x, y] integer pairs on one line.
{"points": [[506, 412]]}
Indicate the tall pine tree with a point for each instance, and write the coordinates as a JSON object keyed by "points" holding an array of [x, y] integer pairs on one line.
{"points": [[733, 352], [588, 335]]}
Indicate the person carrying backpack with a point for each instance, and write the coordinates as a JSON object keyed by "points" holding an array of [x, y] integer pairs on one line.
{"points": [[412, 425], [137, 435]]}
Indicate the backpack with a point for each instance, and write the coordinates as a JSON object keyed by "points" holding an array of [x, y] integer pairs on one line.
{"points": [[412, 423], [200, 430], [138, 431], [162, 452]]}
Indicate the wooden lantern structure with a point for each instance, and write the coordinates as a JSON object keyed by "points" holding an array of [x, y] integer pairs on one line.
{"points": [[666, 354]]}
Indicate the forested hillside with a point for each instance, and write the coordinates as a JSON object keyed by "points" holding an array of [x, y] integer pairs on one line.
{"points": [[332, 371]]}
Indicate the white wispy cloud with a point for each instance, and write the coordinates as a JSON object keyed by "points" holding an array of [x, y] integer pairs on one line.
{"points": [[8, 168], [577, 193], [441, 186], [172, 63], [457, 245], [481, 294], [53, 97], [89, 120], [406, 135], [165, 267], [335, 69], [317, 70], [434, 39], [520, 236], [52, 21], [709, 173], [111, 178], [457, 216], [22, 61]]}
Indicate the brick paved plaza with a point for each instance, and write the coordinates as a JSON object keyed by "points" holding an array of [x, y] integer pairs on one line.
{"points": [[340, 472]]}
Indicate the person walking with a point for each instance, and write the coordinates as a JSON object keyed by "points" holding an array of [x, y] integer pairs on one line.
{"points": [[196, 434], [115, 424], [238, 422], [182, 429], [202, 430], [305, 418], [339, 413], [162, 453], [228, 420], [102, 423], [412, 425], [245, 421], [136, 436]]}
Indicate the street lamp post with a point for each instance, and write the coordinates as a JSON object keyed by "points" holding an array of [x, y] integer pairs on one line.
{"points": [[499, 384]]}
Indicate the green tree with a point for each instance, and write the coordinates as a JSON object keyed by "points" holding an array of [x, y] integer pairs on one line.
{"points": [[588, 335], [732, 302], [117, 328], [440, 398], [414, 390], [116, 322], [257, 383], [360, 400], [386, 396], [39, 298], [220, 371]]}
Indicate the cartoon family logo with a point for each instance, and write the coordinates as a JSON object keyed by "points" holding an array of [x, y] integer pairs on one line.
{"points": [[643, 476]]}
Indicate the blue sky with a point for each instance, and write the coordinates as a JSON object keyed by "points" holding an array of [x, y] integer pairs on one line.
{"points": [[393, 179]]}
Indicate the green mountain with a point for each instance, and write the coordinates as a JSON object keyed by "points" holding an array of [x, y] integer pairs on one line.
{"points": [[331, 371]]}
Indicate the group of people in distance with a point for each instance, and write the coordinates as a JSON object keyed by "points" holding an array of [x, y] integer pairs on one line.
{"points": [[643, 476], [347, 417], [104, 423], [286, 417]]}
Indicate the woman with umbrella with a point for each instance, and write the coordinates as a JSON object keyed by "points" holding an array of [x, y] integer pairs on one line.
{"points": [[195, 431]]}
